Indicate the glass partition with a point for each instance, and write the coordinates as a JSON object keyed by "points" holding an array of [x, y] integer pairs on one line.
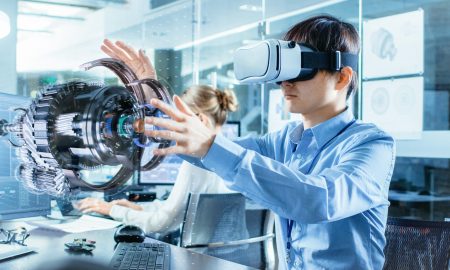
{"points": [[220, 34], [405, 88], [407, 92]]}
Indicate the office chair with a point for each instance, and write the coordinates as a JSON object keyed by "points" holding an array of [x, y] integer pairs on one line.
{"points": [[218, 225], [417, 244]]}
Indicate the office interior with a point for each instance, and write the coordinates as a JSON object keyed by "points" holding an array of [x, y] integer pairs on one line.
{"points": [[44, 42]]}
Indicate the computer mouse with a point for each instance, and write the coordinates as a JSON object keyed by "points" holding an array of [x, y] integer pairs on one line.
{"points": [[129, 233]]}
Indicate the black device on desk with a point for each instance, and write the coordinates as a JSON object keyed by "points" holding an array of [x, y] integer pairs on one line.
{"points": [[142, 256], [129, 233], [141, 196], [133, 193]]}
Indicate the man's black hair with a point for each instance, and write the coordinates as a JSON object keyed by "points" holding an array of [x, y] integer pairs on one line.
{"points": [[326, 34]]}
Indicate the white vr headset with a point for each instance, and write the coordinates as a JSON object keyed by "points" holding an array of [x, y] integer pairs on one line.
{"points": [[275, 60]]}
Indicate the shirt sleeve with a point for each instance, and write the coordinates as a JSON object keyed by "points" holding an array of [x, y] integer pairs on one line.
{"points": [[250, 143], [357, 183], [160, 216]]}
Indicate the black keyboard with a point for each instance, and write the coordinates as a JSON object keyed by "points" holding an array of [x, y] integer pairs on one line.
{"points": [[141, 256]]}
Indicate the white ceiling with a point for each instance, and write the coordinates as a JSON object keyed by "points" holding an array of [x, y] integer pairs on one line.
{"points": [[64, 43], [224, 25]]}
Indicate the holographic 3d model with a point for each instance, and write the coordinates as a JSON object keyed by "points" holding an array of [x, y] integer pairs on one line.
{"points": [[75, 127]]}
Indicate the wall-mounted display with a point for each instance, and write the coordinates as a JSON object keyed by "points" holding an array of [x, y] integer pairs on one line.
{"points": [[393, 45], [395, 106]]}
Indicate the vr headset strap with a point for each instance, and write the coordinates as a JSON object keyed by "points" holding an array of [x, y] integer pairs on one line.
{"points": [[329, 60]]}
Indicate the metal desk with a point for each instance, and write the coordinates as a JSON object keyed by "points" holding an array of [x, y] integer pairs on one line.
{"points": [[51, 247]]}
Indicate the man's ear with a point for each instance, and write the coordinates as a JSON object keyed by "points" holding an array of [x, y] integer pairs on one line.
{"points": [[344, 78]]}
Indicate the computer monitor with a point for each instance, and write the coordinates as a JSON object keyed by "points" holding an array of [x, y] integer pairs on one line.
{"points": [[15, 200], [232, 129], [165, 174]]}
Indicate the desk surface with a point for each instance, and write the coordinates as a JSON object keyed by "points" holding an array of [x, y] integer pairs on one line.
{"points": [[51, 247]]}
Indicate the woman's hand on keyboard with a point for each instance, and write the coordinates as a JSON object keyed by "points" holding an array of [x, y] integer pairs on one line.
{"points": [[95, 205], [127, 203]]}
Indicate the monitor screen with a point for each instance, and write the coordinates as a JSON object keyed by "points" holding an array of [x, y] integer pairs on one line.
{"points": [[15, 200], [164, 174], [231, 129]]}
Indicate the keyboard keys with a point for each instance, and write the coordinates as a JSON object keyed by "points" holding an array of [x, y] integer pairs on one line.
{"points": [[141, 256]]}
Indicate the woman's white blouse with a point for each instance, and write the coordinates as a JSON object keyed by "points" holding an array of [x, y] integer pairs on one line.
{"points": [[164, 216]]}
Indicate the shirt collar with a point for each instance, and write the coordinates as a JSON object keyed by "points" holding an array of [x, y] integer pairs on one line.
{"points": [[324, 131], [296, 134]]}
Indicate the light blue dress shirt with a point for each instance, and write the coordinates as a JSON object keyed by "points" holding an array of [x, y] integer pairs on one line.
{"points": [[339, 209]]}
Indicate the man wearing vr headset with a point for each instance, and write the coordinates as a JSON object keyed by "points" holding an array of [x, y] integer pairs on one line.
{"points": [[327, 177]]}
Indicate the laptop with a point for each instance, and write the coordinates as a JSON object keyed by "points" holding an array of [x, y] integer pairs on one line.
{"points": [[8, 251], [67, 210]]}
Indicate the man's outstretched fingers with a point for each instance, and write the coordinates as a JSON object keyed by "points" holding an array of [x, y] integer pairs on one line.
{"points": [[130, 51], [108, 51], [147, 64], [122, 55], [166, 124], [176, 149], [180, 105], [165, 134], [167, 109]]}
